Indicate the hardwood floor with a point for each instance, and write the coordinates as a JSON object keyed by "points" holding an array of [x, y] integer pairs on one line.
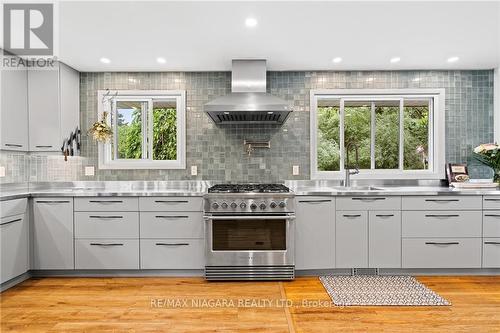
{"points": [[194, 305]]}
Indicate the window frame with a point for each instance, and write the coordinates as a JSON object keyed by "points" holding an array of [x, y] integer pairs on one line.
{"points": [[105, 160], [436, 132]]}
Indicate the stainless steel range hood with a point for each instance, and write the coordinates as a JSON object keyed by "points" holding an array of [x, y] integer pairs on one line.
{"points": [[248, 101]]}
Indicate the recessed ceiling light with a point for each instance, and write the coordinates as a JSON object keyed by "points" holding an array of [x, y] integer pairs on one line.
{"points": [[395, 60], [452, 59], [105, 60], [337, 60], [370, 79], [416, 79], [250, 22], [161, 60]]}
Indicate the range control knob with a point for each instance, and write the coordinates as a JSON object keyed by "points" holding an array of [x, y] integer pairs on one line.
{"points": [[243, 205], [282, 204], [224, 205], [262, 206], [215, 205], [273, 204], [253, 205], [233, 205]]}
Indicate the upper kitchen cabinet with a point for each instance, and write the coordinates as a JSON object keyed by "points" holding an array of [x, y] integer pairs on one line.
{"points": [[14, 109], [53, 104]]}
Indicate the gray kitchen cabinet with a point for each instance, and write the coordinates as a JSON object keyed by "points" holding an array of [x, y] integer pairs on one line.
{"points": [[455, 202], [14, 109], [106, 204], [13, 247], [491, 223], [107, 253], [351, 239], [106, 225], [175, 253], [53, 233], [491, 252], [53, 106], [384, 239], [172, 225], [491, 202], [369, 203], [171, 204], [442, 223], [315, 233]]}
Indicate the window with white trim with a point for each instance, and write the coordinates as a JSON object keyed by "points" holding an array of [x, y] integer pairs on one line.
{"points": [[148, 129], [393, 133]]}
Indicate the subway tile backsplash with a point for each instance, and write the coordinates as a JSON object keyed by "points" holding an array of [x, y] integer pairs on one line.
{"points": [[218, 151]]}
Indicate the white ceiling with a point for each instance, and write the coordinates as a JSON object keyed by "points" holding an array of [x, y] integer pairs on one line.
{"points": [[205, 36]]}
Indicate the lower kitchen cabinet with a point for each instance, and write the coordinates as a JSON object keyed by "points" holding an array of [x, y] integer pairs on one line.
{"points": [[13, 247], [315, 233], [351, 239], [107, 253], [441, 253], [53, 233], [384, 239], [172, 253], [491, 252]]}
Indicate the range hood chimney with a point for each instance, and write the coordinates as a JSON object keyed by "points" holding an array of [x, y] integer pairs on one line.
{"points": [[248, 101]]}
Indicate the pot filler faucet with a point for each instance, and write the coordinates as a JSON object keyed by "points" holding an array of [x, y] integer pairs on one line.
{"points": [[348, 170]]}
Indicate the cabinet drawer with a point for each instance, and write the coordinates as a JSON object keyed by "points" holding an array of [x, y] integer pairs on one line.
{"points": [[13, 247], [172, 253], [442, 223], [442, 203], [369, 203], [106, 204], [173, 204], [491, 252], [172, 225], [351, 239], [106, 224], [442, 253], [107, 254], [491, 224], [491, 202], [13, 207]]}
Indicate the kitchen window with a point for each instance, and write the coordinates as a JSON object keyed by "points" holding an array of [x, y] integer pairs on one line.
{"points": [[148, 129], [392, 133]]}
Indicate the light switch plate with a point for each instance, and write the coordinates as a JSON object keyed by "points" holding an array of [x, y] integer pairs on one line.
{"points": [[2, 171], [295, 170], [89, 171], [194, 170]]}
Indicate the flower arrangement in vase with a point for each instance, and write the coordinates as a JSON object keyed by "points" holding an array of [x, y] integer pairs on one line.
{"points": [[489, 154], [100, 130]]}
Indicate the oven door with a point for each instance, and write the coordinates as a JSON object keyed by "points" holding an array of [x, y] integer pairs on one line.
{"points": [[256, 240]]}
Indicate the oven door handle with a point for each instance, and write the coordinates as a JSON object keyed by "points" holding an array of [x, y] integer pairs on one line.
{"points": [[254, 217]]}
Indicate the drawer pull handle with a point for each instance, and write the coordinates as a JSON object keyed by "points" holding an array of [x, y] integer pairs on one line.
{"points": [[52, 201], [172, 216], [492, 199], [172, 244], [442, 243], [106, 217], [492, 243], [12, 145], [442, 215], [42, 146], [171, 201], [492, 215], [384, 215], [9, 222], [106, 201], [106, 244], [441, 200], [315, 201], [351, 215], [368, 199]]}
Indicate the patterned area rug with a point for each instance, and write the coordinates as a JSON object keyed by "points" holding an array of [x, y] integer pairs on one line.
{"points": [[379, 290]]}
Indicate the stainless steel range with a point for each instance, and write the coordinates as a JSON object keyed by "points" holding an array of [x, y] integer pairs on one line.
{"points": [[249, 232]]}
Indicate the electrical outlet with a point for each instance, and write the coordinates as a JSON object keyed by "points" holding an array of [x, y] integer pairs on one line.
{"points": [[2, 171], [295, 170], [194, 170], [89, 171]]}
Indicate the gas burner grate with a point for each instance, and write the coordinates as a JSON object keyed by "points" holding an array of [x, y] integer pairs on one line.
{"points": [[248, 188]]}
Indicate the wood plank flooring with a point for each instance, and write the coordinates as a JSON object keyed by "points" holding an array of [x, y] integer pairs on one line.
{"points": [[194, 305]]}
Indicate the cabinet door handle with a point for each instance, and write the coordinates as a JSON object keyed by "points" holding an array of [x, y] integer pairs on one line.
{"points": [[106, 217], [441, 200], [172, 244], [369, 199], [171, 201], [491, 199], [442, 215], [351, 215], [106, 201], [492, 243], [384, 215], [442, 243], [492, 215], [172, 216], [315, 201], [42, 146], [13, 145], [52, 201], [106, 244], [9, 222]]}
